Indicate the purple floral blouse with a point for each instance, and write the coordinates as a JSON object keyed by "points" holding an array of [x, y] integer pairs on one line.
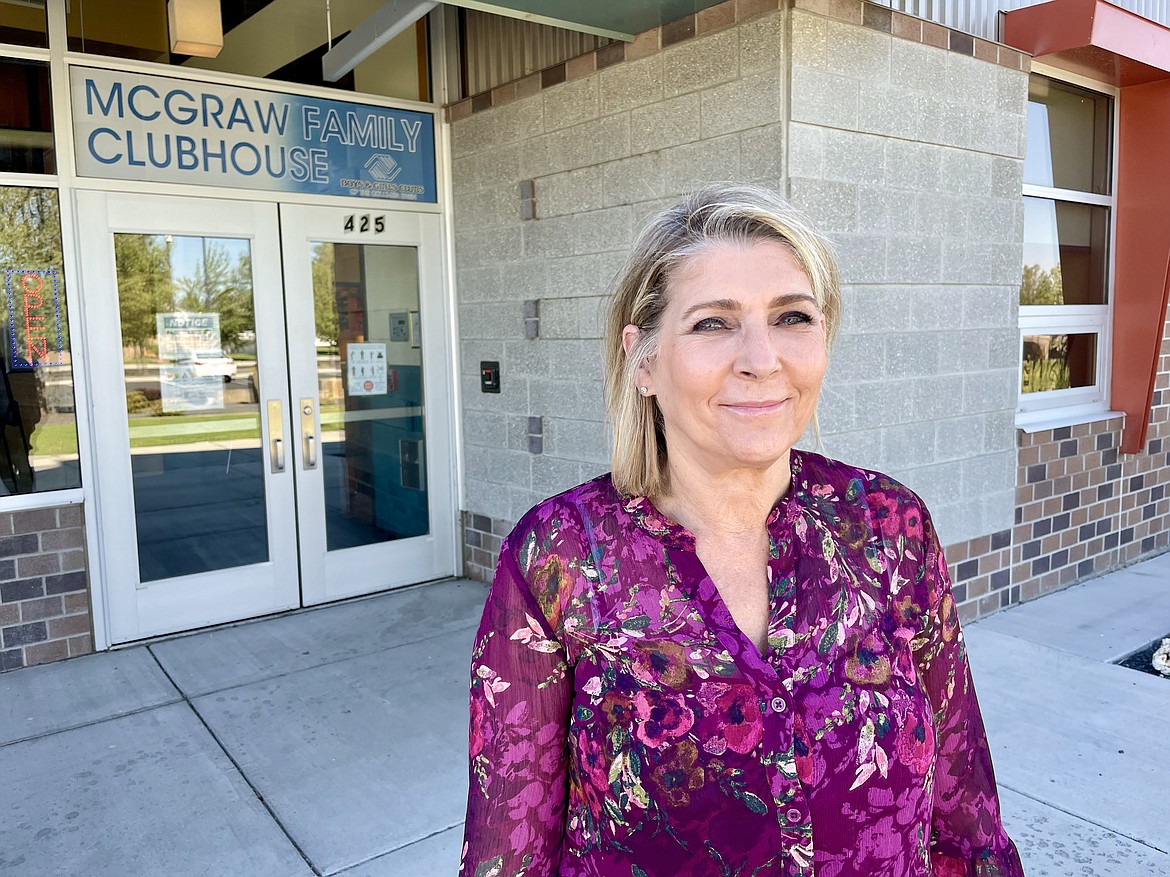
{"points": [[623, 726]]}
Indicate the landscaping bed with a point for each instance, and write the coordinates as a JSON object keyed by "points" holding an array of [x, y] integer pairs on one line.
{"points": [[1144, 659]]}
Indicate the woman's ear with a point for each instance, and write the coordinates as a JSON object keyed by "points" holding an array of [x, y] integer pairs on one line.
{"points": [[631, 336]]}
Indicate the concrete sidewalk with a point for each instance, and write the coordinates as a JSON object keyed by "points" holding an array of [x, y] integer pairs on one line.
{"points": [[333, 741], [1081, 746]]}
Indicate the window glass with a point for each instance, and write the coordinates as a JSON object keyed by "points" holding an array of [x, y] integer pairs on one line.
{"points": [[283, 40], [192, 402], [1065, 253], [119, 28], [26, 118], [1059, 362], [370, 380], [24, 24], [1068, 137], [1064, 284], [38, 443]]}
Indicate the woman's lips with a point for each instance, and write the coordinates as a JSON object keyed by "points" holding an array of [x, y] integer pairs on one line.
{"points": [[767, 406]]}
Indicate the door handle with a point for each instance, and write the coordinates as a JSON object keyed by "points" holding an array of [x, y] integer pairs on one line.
{"points": [[309, 434], [275, 436]]}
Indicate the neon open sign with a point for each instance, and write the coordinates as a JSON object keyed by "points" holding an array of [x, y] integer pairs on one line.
{"points": [[34, 318]]}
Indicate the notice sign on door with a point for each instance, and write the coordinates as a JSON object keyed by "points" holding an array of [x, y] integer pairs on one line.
{"points": [[136, 126], [182, 333], [191, 376], [366, 369]]}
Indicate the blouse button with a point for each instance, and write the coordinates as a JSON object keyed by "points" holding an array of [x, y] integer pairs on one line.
{"points": [[778, 705], [795, 815]]}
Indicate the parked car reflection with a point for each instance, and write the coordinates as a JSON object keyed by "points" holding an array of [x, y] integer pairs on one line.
{"points": [[206, 364]]}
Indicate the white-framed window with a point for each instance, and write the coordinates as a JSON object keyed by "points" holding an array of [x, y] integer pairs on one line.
{"points": [[1067, 278]]}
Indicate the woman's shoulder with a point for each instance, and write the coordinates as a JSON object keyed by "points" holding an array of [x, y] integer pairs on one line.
{"points": [[554, 547], [818, 474], [863, 500], [873, 516], [564, 519]]}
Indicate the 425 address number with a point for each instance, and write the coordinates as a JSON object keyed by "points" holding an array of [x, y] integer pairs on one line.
{"points": [[364, 223]]}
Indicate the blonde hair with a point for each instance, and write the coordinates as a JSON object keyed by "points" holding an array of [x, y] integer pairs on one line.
{"points": [[714, 214]]}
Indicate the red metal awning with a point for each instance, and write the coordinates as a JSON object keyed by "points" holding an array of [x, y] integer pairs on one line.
{"points": [[1119, 47]]}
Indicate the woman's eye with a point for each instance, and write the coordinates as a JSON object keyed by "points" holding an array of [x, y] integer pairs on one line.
{"points": [[795, 318], [709, 324]]}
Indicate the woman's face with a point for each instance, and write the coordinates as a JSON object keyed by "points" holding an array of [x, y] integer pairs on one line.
{"points": [[740, 359]]}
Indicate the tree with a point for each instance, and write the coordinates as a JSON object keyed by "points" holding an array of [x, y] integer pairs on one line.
{"points": [[145, 285], [30, 228], [324, 294], [1041, 287], [30, 240], [221, 283]]}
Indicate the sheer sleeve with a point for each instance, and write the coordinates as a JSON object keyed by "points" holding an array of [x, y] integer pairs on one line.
{"points": [[520, 702], [967, 837]]}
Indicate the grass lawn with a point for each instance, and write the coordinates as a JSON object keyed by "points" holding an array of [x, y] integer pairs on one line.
{"points": [[51, 439], [61, 438], [54, 439], [153, 432]]}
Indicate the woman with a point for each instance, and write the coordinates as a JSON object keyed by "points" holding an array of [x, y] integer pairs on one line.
{"points": [[729, 656]]}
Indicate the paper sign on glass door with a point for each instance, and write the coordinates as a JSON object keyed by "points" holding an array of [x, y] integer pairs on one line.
{"points": [[192, 368], [366, 369]]}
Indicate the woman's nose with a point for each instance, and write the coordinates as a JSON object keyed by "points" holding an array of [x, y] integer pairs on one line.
{"points": [[758, 355]]}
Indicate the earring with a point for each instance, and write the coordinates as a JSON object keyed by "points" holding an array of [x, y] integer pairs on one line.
{"points": [[645, 391]]}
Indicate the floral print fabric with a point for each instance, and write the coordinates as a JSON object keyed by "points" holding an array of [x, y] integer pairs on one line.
{"points": [[622, 724]]}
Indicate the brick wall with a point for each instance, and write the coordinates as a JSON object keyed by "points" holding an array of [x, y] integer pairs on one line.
{"points": [[1082, 510], [481, 545], [44, 595], [981, 574]]}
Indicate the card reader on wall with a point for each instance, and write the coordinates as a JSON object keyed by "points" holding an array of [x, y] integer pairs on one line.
{"points": [[489, 377]]}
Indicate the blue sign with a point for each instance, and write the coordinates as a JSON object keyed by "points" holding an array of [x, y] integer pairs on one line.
{"points": [[131, 126]]}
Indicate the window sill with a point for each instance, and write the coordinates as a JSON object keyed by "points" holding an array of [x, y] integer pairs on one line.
{"points": [[1039, 421], [42, 499]]}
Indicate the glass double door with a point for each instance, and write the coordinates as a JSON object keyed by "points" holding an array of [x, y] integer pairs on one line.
{"points": [[270, 406]]}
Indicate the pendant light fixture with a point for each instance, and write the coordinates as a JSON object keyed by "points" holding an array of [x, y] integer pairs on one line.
{"points": [[196, 27]]}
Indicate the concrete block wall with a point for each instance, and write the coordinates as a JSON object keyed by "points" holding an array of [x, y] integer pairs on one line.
{"points": [[599, 153], [44, 591], [910, 155], [902, 139]]}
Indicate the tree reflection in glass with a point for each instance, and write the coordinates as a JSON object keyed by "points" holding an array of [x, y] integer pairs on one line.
{"points": [[1058, 362], [38, 436], [192, 402]]}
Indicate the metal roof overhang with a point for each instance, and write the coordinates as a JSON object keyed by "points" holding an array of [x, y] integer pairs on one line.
{"points": [[1113, 45], [614, 19]]}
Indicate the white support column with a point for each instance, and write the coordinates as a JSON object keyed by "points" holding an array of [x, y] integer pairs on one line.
{"points": [[78, 340]]}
